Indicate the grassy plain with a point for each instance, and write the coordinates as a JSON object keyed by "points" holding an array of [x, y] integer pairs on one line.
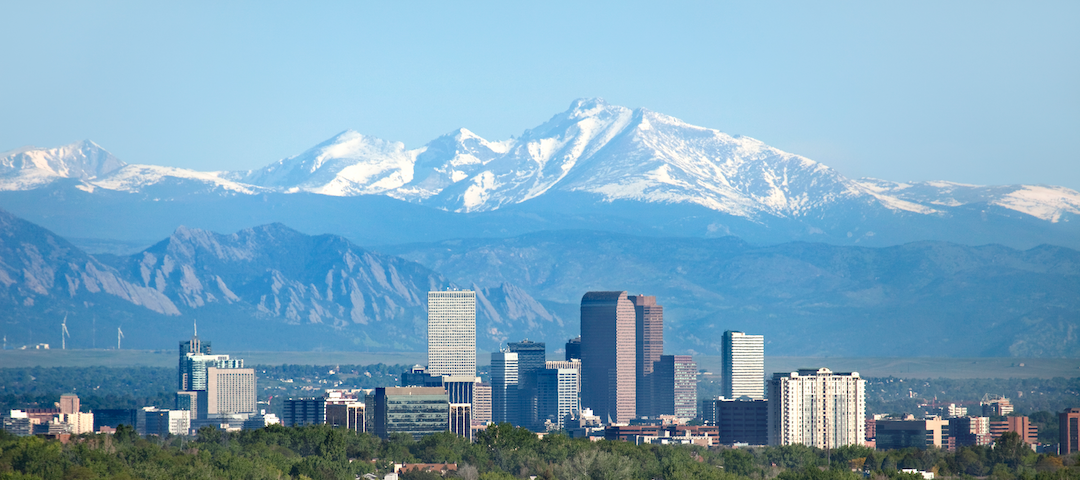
{"points": [[903, 367]]}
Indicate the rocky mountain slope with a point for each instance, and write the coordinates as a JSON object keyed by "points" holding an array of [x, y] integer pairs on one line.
{"points": [[924, 298], [267, 287]]}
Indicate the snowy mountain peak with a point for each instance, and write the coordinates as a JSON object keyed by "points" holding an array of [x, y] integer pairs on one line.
{"points": [[349, 163], [29, 167]]}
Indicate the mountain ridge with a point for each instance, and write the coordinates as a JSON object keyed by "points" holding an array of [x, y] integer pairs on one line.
{"points": [[607, 151]]}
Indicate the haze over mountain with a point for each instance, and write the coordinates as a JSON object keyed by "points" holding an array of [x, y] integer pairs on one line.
{"points": [[272, 288], [595, 165], [265, 288], [600, 197]]}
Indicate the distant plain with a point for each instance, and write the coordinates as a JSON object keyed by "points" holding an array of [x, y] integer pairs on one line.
{"points": [[902, 367]]}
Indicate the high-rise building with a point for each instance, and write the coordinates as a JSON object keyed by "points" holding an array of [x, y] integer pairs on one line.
{"points": [[818, 408], [155, 421], [298, 412], [531, 358], [69, 403], [675, 383], [189, 400], [608, 355], [557, 396], [452, 333], [195, 346], [648, 347], [970, 431], [1022, 426], [743, 365], [417, 411], [346, 414], [228, 391], [739, 420], [504, 387], [573, 349], [1069, 431], [572, 364], [481, 406]]}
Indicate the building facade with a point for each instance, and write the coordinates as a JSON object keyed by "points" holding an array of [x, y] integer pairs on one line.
{"points": [[504, 387], [481, 406], [228, 391], [1069, 431], [743, 359], [921, 434], [818, 408], [573, 349], [740, 420], [558, 396], [298, 412], [417, 411], [675, 386], [452, 333], [648, 347], [531, 361], [970, 431], [460, 421], [608, 355]]}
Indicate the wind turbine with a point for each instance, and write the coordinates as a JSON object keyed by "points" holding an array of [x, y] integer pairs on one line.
{"points": [[64, 335], [119, 335]]}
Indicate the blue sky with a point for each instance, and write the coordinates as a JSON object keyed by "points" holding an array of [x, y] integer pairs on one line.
{"points": [[976, 92]]}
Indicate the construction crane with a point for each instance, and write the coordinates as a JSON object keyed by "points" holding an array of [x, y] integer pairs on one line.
{"points": [[64, 335], [119, 335]]}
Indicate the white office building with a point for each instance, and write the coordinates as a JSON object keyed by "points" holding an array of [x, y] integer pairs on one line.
{"points": [[452, 333], [504, 387], [818, 408], [744, 366]]}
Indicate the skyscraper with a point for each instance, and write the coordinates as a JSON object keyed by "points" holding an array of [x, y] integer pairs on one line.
{"points": [[452, 333], [504, 387], [817, 408], [195, 346], [557, 395], [608, 355], [675, 382], [228, 391], [743, 365], [649, 346], [573, 349], [531, 360]]}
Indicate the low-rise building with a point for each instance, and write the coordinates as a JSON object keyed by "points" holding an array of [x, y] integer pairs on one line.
{"points": [[921, 434], [417, 411]]}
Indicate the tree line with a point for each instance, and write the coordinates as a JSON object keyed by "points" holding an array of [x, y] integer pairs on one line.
{"points": [[500, 452]]}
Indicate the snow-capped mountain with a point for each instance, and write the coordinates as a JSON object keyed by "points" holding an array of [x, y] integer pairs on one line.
{"points": [[1044, 202], [593, 153], [28, 168]]}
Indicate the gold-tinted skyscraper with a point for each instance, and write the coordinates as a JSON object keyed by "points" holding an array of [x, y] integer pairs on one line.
{"points": [[608, 354]]}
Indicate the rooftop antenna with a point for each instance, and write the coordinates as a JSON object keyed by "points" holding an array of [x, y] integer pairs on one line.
{"points": [[64, 335], [119, 335]]}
